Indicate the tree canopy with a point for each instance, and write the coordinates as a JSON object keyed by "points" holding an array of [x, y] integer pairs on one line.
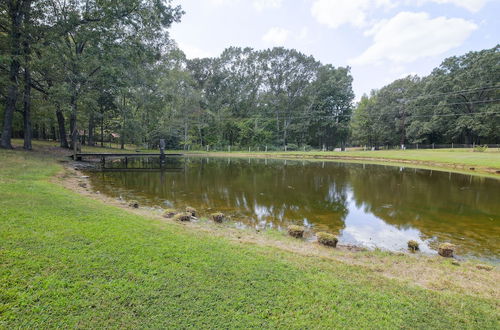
{"points": [[110, 70]]}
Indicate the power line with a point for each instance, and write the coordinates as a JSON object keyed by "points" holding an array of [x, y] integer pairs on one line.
{"points": [[309, 115], [331, 117], [465, 91]]}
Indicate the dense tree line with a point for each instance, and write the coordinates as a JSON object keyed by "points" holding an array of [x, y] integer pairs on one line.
{"points": [[91, 71], [457, 103]]}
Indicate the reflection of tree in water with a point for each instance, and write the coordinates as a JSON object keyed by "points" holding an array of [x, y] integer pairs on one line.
{"points": [[275, 192], [443, 205]]}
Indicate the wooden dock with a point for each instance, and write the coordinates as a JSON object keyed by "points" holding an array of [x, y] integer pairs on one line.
{"points": [[80, 156], [102, 156]]}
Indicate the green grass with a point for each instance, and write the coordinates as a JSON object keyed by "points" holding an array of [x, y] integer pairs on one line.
{"points": [[489, 158], [465, 158], [68, 261]]}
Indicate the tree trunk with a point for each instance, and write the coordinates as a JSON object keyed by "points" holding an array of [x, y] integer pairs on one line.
{"points": [[15, 16], [62, 129], [28, 132], [102, 131], [72, 120], [91, 141]]}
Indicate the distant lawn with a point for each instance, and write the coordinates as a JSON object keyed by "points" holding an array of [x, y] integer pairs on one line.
{"points": [[67, 261], [490, 158], [465, 160]]}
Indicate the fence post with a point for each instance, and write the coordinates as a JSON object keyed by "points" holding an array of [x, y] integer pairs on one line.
{"points": [[433, 146], [452, 145]]}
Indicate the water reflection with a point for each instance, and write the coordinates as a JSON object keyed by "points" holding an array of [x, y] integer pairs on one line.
{"points": [[372, 205]]}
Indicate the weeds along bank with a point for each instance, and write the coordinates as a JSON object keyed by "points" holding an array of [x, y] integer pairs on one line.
{"points": [[70, 259]]}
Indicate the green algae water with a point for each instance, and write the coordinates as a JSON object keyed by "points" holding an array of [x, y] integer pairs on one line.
{"points": [[374, 206]]}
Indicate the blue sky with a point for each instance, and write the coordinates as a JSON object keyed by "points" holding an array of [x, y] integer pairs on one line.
{"points": [[381, 40]]}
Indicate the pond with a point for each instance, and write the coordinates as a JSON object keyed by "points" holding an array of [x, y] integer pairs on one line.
{"points": [[374, 206]]}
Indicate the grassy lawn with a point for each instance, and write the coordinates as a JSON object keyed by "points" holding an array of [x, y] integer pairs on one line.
{"points": [[462, 158], [69, 261]]}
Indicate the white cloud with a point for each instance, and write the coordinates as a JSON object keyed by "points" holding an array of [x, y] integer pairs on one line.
{"points": [[267, 4], [258, 4], [221, 2], [471, 5], [409, 36], [335, 13], [276, 36], [192, 51]]}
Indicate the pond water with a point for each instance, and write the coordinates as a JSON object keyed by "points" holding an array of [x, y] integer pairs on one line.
{"points": [[367, 205]]}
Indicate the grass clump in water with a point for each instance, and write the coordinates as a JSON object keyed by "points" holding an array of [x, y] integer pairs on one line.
{"points": [[134, 204], [169, 213], [183, 216], [296, 231], [446, 250], [191, 210], [327, 239], [218, 217], [413, 246]]}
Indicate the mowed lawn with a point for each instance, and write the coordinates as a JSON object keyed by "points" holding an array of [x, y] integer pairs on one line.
{"points": [[489, 158], [467, 157], [69, 261]]}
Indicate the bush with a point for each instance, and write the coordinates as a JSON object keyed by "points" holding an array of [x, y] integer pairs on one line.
{"points": [[413, 245], [480, 148], [327, 239], [296, 231], [292, 147], [218, 217]]}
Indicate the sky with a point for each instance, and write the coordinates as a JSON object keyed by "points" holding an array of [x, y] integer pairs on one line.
{"points": [[381, 40]]}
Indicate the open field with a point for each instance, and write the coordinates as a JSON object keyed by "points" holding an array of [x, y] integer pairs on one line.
{"points": [[71, 261]]}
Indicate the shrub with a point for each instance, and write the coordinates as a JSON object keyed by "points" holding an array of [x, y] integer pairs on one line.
{"points": [[292, 147], [218, 217], [169, 213], [480, 148], [296, 231], [191, 210], [182, 217], [446, 250], [413, 245], [327, 239]]}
